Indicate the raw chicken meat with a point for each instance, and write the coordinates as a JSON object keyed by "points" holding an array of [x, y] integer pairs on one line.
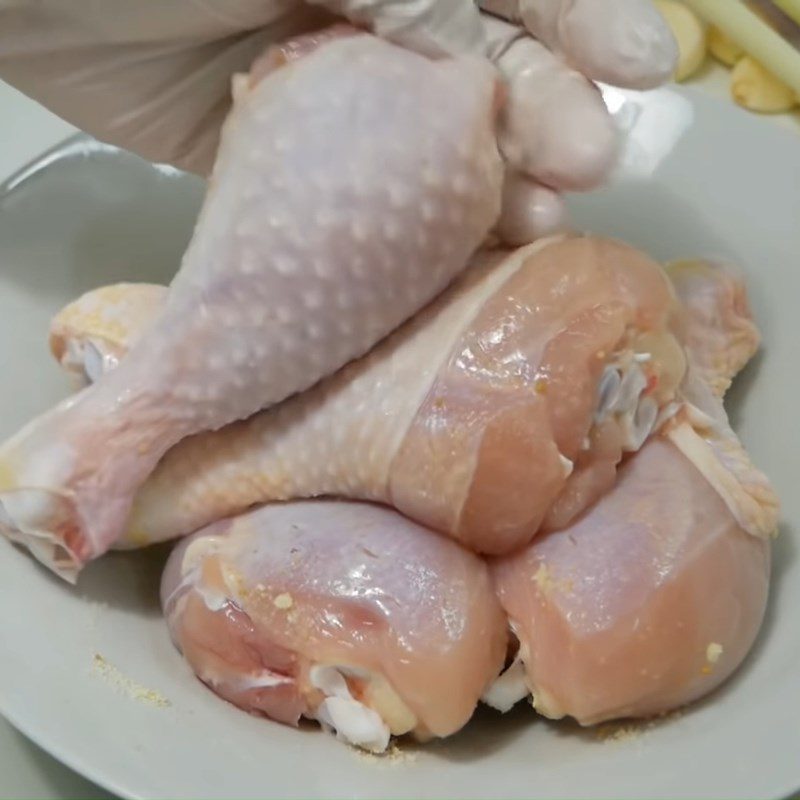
{"points": [[715, 324], [701, 431], [653, 597], [347, 613], [89, 336], [719, 329], [342, 201], [469, 418], [649, 601]]}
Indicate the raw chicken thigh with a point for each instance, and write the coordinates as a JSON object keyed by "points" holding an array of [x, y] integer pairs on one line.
{"points": [[342, 612], [646, 603], [342, 201], [470, 418], [653, 597]]}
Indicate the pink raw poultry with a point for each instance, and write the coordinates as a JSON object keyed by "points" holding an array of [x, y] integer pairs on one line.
{"points": [[649, 601], [343, 612], [341, 202], [653, 597], [662, 547], [468, 419]]}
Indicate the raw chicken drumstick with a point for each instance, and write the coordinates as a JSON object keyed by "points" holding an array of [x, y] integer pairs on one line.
{"points": [[342, 201], [654, 596], [347, 613], [656, 593], [648, 602], [469, 419]]}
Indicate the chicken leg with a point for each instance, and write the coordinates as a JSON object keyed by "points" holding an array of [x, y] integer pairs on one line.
{"points": [[341, 202], [342, 612], [654, 596], [468, 419]]}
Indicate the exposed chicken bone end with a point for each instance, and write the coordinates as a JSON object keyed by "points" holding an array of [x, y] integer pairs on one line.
{"points": [[34, 511], [638, 383], [90, 335], [43, 545], [368, 724], [511, 685]]}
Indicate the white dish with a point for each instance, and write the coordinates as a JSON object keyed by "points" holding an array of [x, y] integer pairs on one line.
{"points": [[699, 177]]}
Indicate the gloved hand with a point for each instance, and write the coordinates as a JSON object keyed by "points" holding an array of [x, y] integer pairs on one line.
{"points": [[153, 76]]}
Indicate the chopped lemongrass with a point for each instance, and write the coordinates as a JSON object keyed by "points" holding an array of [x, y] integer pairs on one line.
{"points": [[754, 35], [754, 88], [723, 48]]}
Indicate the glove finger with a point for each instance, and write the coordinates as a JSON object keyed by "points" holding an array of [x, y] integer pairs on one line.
{"points": [[530, 211], [431, 27], [165, 100], [554, 126], [626, 43]]}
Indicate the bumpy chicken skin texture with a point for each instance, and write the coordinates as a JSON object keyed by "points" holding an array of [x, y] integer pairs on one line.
{"points": [[638, 558], [468, 419], [342, 200]]}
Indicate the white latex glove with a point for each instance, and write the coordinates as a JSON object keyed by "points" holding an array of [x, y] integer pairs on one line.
{"points": [[154, 76]]}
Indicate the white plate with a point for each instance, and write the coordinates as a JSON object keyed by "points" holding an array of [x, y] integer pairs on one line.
{"points": [[699, 178]]}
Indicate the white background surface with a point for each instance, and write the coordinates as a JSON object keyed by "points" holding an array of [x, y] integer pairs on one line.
{"points": [[25, 770]]}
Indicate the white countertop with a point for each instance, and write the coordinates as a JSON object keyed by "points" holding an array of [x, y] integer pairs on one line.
{"points": [[25, 770]]}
